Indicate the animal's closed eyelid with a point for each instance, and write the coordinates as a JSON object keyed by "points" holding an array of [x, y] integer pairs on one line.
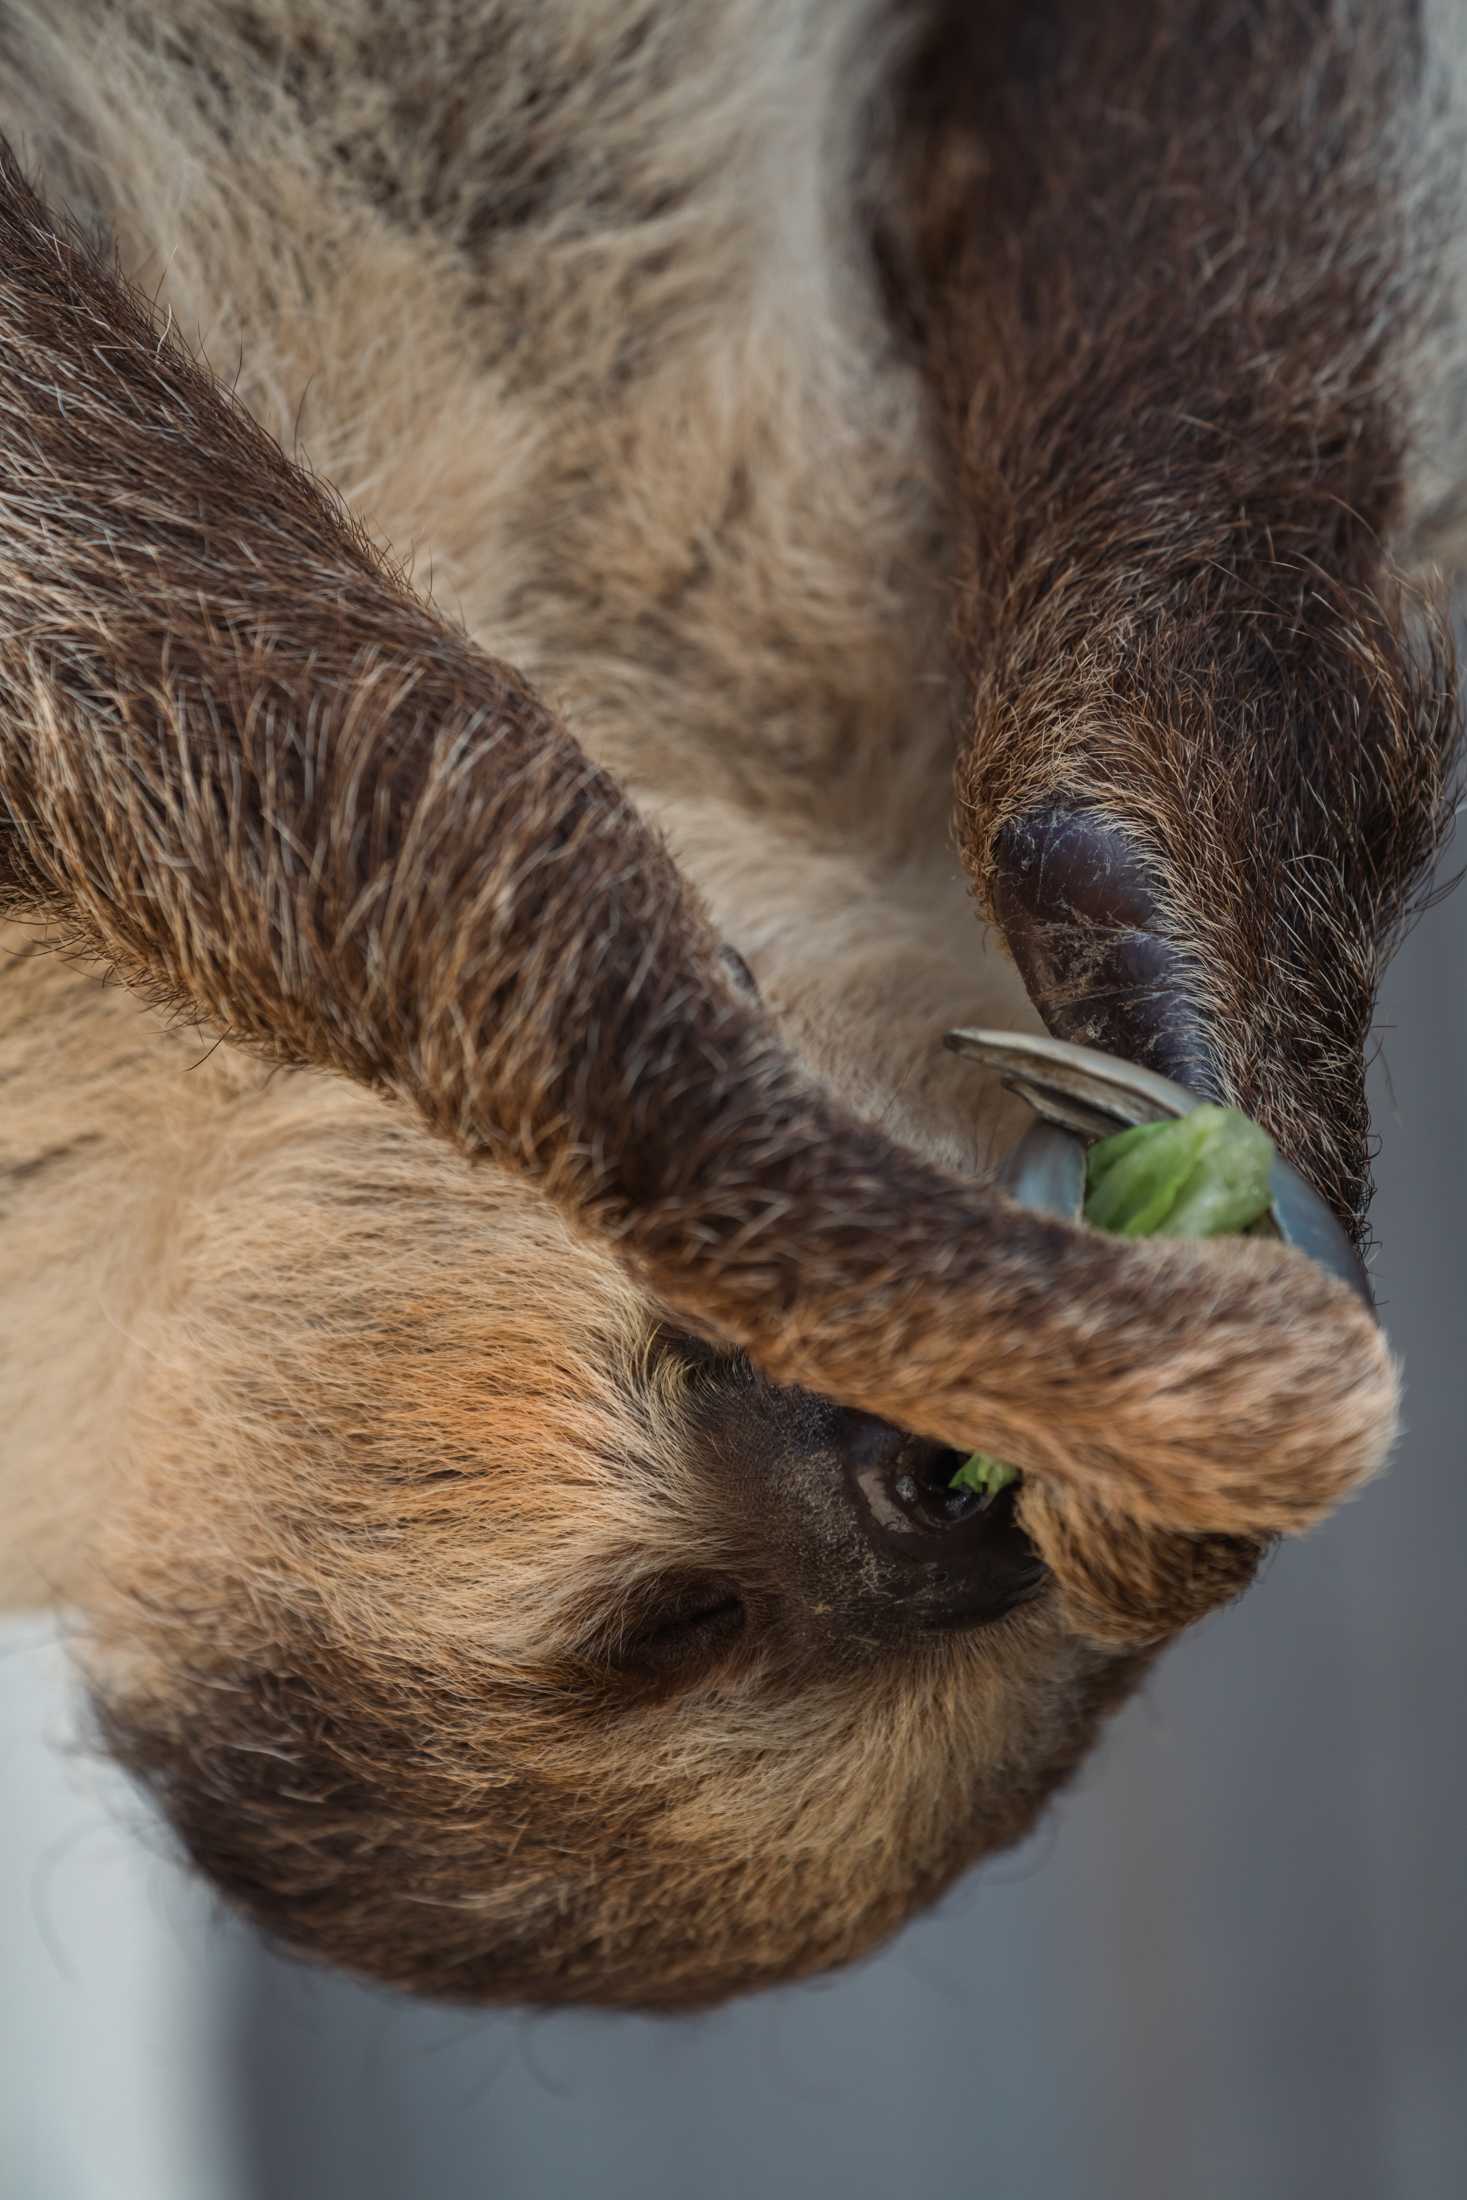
{"points": [[680, 1627]]}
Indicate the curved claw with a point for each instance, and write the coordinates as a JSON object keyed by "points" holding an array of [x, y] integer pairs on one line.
{"points": [[1080, 1095], [1046, 1171]]}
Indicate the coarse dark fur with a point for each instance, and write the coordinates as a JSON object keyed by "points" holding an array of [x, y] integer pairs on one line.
{"points": [[784, 407]]}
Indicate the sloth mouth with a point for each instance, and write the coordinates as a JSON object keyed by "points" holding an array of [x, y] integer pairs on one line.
{"points": [[964, 1559], [840, 1516], [1006, 1547]]}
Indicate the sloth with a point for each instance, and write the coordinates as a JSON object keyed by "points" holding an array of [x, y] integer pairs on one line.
{"points": [[580, 580]]}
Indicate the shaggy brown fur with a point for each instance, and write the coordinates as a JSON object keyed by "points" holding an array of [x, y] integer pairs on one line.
{"points": [[353, 1372], [1196, 635]]}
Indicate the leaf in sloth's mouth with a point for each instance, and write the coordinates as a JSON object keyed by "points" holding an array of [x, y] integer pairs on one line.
{"points": [[984, 1475], [1204, 1174]]}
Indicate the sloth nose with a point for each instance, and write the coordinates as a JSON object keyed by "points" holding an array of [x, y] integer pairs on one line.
{"points": [[854, 1522], [946, 1558]]}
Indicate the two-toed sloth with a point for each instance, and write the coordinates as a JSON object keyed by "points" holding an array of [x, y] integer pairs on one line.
{"points": [[515, 515]]}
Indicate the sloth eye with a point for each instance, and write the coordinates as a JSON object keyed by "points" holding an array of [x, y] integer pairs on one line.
{"points": [[684, 1625]]}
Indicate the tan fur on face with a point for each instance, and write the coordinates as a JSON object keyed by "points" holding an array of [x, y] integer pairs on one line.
{"points": [[368, 1445], [374, 1523]]}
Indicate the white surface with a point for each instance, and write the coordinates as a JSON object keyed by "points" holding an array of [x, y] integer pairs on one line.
{"points": [[114, 1975]]}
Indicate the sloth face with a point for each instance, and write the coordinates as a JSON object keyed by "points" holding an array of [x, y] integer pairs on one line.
{"points": [[483, 1632]]}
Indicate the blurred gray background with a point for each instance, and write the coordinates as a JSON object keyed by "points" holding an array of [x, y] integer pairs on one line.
{"points": [[1234, 1962]]}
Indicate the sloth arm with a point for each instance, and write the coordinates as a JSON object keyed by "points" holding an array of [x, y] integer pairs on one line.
{"points": [[242, 764]]}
